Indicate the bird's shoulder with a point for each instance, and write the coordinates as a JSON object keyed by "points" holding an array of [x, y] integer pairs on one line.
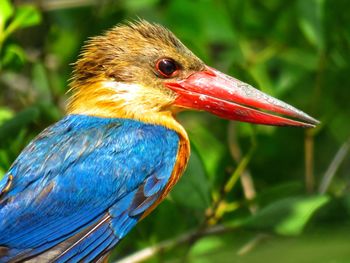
{"points": [[86, 142], [78, 173]]}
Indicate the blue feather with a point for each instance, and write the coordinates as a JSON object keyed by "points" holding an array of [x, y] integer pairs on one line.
{"points": [[72, 175]]}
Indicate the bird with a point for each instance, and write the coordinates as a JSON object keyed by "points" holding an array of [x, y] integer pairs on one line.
{"points": [[84, 182]]}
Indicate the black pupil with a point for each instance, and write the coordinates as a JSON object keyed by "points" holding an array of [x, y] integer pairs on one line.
{"points": [[167, 67]]}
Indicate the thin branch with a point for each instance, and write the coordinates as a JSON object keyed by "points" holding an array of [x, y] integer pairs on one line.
{"points": [[310, 133], [252, 244], [151, 251], [52, 5], [309, 161], [246, 178], [239, 170], [334, 165], [215, 213]]}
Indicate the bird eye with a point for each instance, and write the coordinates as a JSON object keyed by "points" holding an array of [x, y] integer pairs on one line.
{"points": [[166, 67]]}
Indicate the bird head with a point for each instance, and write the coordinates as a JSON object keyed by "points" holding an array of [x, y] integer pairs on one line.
{"points": [[142, 71]]}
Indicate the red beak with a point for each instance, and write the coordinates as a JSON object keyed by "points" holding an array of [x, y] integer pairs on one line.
{"points": [[229, 98]]}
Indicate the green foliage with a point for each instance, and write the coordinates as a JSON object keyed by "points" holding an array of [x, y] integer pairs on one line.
{"points": [[298, 51], [194, 188], [11, 20], [287, 216], [310, 21]]}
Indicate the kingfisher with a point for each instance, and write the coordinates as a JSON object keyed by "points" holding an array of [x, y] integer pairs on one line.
{"points": [[83, 183]]}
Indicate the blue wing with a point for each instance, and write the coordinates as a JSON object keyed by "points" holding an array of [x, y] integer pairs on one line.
{"points": [[80, 187]]}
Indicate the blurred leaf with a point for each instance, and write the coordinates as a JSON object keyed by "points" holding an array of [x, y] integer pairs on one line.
{"points": [[26, 15], [14, 144], [288, 216], [20, 141], [41, 82], [20, 120], [206, 245], [176, 11], [14, 55], [5, 114], [311, 20], [309, 59], [337, 128], [347, 202], [339, 60], [209, 149], [219, 19], [289, 78], [280, 191], [65, 41], [202, 35], [260, 74], [4, 159], [136, 5], [6, 11], [2, 172], [193, 189]]}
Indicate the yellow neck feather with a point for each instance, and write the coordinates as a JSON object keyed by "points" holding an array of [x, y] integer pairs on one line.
{"points": [[110, 99]]}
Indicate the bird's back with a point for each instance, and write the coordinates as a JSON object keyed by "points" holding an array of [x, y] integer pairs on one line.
{"points": [[80, 186]]}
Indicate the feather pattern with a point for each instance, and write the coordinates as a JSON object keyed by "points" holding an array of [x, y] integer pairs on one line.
{"points": [[81, 186]]}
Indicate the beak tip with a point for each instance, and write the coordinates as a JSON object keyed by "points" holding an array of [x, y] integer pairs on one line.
{"points": [[312, 122], [310, 126]]}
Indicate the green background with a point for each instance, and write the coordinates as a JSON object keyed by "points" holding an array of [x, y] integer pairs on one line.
{"points": [[292, 202]]}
